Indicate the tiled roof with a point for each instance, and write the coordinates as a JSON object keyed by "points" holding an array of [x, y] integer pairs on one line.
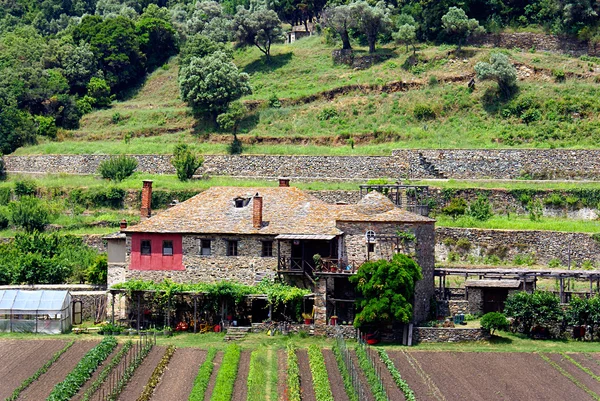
{"points": [[286, 210]]}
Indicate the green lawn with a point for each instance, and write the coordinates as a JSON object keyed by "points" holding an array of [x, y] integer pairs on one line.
{"points": [[520, 222]]}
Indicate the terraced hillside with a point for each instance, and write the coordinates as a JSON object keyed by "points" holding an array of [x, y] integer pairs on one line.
{"points": [[401, 102]]}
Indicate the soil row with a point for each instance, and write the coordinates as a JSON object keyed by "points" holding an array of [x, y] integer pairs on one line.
{"points": [[134, 388], [178, 380]]}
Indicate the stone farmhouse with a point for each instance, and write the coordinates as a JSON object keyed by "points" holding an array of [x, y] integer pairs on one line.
{"points": [[245, 234]]}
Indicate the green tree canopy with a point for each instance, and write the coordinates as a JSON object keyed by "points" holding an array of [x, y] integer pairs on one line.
{"points": [[385, 290], [371, 20], [158, 40], [406, 34], [340, 19], [210, 83], [259, 28], [500, 70], [458, 26], [530, 310]]}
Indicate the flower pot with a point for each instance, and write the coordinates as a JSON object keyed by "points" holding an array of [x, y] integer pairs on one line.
{"points": [[333, 321], [307, 321]]}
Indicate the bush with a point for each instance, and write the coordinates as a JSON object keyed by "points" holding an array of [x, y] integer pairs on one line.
{"points": [[5, 193], [235, 147], [540, 309], [423, 112], [4, 218], [2, 169], [117, 168], [456, 207], [493, 321], [25, 187], [185, 162], [29, 213], [98, 197], [559, 75], [46, 126], [327, 113], [274, 102], [481, 209]]}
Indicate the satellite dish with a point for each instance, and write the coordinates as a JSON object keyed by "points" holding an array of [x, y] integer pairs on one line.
{"points": [[370, 236]]}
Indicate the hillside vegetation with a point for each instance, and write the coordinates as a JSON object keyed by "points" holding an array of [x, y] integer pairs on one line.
{"points": [[393, 104]]}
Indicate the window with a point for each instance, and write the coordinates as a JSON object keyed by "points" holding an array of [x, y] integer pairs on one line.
{"points": [[205, 247], [167, 248], [232, 248], [267, 248], [371, 246], [145, 247]]}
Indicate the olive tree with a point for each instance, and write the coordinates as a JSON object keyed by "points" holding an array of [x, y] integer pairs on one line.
{"points": [[371, 20], [260, 28], [458, 26], [406, 34], [210, 83], [341, 20], [500, 70]]}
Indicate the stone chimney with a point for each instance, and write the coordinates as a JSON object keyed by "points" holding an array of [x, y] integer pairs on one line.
{"points": [[146, 211], [284, 182], [257, 209], [123, 224]]}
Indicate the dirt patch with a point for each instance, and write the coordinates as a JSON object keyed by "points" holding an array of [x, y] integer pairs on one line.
{"points": [[417, 380], [587, 361], [95, 375], [282, 379], [240, 388], [134, 388], [213, 377], [391, 388], [335, 377], [308, 392], [583, 378], [21, 359], [41, 388], [499, 376], [368, 394], [178, 380]]}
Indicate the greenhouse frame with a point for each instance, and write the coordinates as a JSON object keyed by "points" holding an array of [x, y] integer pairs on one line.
{"points": [[47, 312]]}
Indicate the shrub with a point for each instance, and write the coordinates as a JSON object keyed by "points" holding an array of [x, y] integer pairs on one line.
{"points": [[555, 199], [559, 75], [423, 112], [98, 197], [46, 126], [185, 162], [274, 101], [4, 218], [25, 187], [456, 207], [235, 147], [29, 213], [117, 168], [433, 81], [463, 244], [481, 209], [327, 113], [493, 321], [530, 310]]}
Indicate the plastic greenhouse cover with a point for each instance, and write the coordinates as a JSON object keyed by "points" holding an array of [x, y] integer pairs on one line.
{"points": [[7, 298], [43, 301]]}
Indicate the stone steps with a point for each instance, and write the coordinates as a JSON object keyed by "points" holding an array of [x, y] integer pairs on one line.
{"points": [[236, 333]]}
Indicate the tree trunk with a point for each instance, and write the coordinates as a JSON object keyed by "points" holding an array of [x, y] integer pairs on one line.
{"points": [[345, 40], [371, 45], [414, 50]]}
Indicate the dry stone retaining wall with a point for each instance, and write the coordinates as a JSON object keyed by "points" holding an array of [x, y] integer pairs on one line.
{"points": [[439, 335], [413, 163], [539, 42]]}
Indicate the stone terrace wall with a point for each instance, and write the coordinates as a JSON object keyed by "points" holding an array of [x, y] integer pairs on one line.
{"points": [[503, 163], [539, 41], [544, 245], [413, 163], [444, 335]]}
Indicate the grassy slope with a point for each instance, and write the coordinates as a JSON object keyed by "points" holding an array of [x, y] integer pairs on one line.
{"points": [[156, 119]]}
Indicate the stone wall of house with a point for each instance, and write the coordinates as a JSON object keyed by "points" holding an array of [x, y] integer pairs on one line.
{"points": [[444, 335], [539, 42], [347, 331], [93, 304], [507, 244], [403, 163]]}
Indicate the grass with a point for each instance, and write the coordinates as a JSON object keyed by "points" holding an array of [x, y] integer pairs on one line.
{"points": [[520, 222], [154, 120]]}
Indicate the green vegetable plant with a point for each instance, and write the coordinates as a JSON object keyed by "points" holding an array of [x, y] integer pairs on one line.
{"points": [[409, 395], [66, 389], [39, 372], [227, 374], [203, 376], [319, 374], [293, 375], [365, 364], [344, 372], [157, 374], [257, 376], [107, 370]]}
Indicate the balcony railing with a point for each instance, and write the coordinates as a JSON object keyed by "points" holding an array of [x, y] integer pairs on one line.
{"points": [[325, 265]]}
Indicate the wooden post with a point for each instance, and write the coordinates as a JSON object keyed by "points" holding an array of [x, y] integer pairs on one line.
{"points": [[195, 313], [113, 308], [562, 289], [138, 311]]}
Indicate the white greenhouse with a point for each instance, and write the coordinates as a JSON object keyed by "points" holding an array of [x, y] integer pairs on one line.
{"points": [[47, 312]]}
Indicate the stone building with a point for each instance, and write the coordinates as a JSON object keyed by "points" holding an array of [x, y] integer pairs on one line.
{"points": [[246, 234]]}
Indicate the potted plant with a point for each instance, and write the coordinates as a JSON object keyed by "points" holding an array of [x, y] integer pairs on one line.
{"points": [[307, 318], [333, 320]]}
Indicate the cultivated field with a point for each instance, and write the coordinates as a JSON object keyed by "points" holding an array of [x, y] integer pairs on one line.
{"points": [[266, 373]]}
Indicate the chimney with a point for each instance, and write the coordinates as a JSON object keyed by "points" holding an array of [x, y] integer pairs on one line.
{"points": [[257, 206], [146, 211], [123, 224], [284, 182]]}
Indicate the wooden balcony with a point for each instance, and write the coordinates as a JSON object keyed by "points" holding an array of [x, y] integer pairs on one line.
{"points": [[326, 265]]}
